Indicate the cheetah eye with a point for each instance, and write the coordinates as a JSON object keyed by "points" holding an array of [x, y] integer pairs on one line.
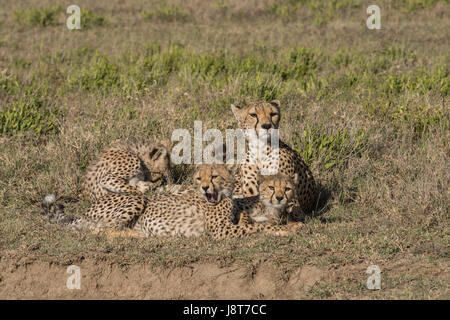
{"points": [[273, 114], [199, 179], [271, 188], [254, 115], [214, 177], [288, 189]]}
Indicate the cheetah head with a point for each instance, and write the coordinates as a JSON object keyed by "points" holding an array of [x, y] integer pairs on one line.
{"points": [[258, 115], [157, 161], [276, 190], [214, 182]]}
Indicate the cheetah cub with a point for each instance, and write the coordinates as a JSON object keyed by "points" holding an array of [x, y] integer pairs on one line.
{"points": [[275, 192], [266, 115], [127, 168], [208, 208]]}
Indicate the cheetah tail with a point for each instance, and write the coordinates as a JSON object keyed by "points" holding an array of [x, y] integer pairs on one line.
{"points": [[47, 203], [58, 215]]}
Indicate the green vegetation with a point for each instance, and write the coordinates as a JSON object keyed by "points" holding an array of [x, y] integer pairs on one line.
{"points": [[101, 74], [89, 19], [48, 16], [43, 17], [165, 12], [323, 11], [329, 149], [27, 115]]}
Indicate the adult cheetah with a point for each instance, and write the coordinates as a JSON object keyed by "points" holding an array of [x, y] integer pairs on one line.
{"points": [[266, 115]]}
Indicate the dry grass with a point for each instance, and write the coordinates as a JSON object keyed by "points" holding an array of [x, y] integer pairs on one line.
{"points": [[367, 109]]}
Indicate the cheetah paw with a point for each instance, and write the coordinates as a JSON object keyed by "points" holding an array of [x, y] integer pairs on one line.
{"points": [[143, 186], [294, 226]]}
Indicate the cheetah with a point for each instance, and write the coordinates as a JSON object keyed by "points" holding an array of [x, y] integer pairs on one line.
{"points": [[127, 168], [275, 192], [208, 209], [266, 115]]}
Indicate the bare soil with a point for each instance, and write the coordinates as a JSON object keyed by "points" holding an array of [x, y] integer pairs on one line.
{"points": [[102, 280]]}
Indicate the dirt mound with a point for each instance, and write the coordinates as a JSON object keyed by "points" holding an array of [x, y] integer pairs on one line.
{"points": [[41, 280]]}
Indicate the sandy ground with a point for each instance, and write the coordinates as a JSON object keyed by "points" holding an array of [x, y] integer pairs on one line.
{"points": [[99, 280]]}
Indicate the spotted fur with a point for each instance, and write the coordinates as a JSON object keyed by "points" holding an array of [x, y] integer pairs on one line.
{"points": [[266, 115], [127, 168], [208, 208], [270, 206]]}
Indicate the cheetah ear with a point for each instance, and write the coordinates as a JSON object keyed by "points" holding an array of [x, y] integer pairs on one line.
{"points": [[166, 144], [260, 178], [220, 153], [156, 152], [275, 103], [196, 166], [234, 170], [236, 110]]}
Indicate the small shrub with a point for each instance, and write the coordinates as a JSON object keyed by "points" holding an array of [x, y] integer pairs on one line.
{"points": [[157, 66], [27, 114], [261, 87], [90, 19], [329, 149], [8, 86], [413, 5], [101, 74], [166, 12], [21, 63], [47, 16], [302, 62], [323, 11], [282, 11]]}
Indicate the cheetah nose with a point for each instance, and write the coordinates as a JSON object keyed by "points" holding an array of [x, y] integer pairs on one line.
{"points": [[279, 198], [266, 126], [205, 188]]}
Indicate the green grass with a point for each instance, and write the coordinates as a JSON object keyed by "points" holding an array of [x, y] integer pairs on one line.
{"points": [[90, 19], [324, 12], [166, 12], [101, 74], [413, 5], [48, 16], [29, 113], [329, 149], [43, 17]]}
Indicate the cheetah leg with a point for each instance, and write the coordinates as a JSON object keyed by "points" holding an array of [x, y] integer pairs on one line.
{"points": [[129, 233], [116, 185], [283, 230], [307, 192], [237, 190], [294, 211], [112, 211], [244, 219], [116, 211], [58, 215], [225, 229], [249, 178]]}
